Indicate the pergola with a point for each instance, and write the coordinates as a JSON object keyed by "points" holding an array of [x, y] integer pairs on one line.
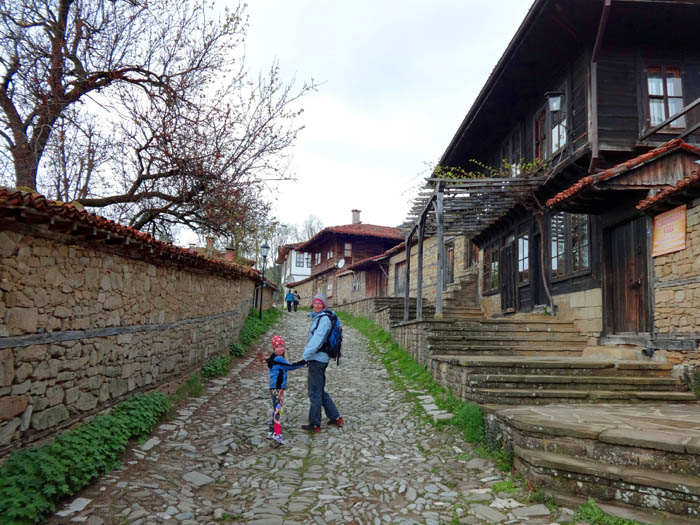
{"points": [[458, 206]]}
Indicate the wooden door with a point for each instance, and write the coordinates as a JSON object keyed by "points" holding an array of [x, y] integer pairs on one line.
{"points": [[506, 266], [627, 291]]}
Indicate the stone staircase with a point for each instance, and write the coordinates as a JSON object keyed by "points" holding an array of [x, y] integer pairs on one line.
{"points": [[396, 308], [648, 460], [534, 336], [460, 299], [505, 380]]}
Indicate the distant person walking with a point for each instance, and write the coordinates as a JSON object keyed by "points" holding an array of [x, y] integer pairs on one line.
{"points": [[289, 298], [317, 361], [297, 300]]}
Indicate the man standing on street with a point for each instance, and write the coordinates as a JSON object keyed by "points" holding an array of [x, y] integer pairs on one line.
{"points": [[289, 298], [317, 361]]}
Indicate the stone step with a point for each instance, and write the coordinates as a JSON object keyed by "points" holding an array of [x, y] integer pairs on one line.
{"points": [[501, 339], [544, 382], [505, 347], [644, 516], [642, 487], [490, 326], [534, 396], [550, 365]]}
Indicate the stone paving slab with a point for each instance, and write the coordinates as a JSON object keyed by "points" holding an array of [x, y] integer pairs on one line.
{"points": [[212, 463], [671, 427]]}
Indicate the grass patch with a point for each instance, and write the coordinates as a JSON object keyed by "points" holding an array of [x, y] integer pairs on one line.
{"points": [[591, 513], [506, 486], [33, 481], [407, 373]]}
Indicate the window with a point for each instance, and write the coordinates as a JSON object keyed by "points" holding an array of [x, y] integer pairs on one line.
{"points": [[570, 244], [665, 92], [558, 134], [558, 241], [307, 259], [317, 258], [511, 154], [580, 239], [300, 260], [329, 288], [348, 250], [523, 257], [356, 281], [491, 281], [540, 135], [329, 255]]}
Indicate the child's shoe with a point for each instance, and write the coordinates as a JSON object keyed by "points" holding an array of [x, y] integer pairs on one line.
{"points": [[336, 422], [277, 440], [270, 434]]}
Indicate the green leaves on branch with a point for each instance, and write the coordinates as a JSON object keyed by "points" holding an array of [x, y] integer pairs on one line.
{"points": [[33, 481]]}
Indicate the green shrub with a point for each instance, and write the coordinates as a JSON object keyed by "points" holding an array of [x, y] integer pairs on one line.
{"points": [[236, 350], [217, 367], [254, 327], [33, 481]]}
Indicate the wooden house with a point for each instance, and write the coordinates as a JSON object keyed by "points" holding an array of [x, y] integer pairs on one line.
{"points": [[336, 248], [593, 107]]}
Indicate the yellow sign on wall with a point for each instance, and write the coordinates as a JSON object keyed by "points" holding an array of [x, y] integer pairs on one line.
{"points": [[669, 232]]}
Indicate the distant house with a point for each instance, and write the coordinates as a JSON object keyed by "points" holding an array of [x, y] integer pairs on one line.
{"points": [[296, 265], [336, 248]]}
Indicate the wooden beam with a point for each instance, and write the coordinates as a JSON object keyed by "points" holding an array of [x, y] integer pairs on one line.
{"points": [[439, 215], [407, 281], [419, 280]]}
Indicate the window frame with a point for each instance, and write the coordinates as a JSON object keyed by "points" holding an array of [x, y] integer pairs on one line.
{"points": [[307, 259], [491, 261], [317, 258], [523, 258], [299, 260], [347, 249], [570, 222], [664, 96]]}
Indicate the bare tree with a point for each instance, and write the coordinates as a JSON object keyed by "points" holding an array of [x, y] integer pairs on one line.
{"points": [[193, 137], [312, 225]]}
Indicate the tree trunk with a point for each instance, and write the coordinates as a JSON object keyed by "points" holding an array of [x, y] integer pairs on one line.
{"points": [[25, 166]]}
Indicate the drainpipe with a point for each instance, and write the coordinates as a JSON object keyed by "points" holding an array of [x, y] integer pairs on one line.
{"points": [[595, 151]]}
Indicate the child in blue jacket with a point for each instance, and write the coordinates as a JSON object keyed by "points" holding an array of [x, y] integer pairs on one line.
{"points": [[279, 367]]}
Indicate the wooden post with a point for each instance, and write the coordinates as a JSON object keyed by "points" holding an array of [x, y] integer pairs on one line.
{"points": [[419, 280], [440, 252], [407, 281]]}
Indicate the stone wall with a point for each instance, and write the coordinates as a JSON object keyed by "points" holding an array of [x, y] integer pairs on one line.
{"points": [[584, 309], [677, 287], [345, 293], [429, 266], [83, 327]]}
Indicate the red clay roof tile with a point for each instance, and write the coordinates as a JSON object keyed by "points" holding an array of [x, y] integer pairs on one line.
{"points": [[619, 169]]}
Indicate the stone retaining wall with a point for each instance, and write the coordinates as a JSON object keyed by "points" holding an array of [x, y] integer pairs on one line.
{"points": [[677, 286], [83, 327]]}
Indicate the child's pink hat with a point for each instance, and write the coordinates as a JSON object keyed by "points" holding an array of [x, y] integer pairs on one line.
{"points": [[277, 341]]}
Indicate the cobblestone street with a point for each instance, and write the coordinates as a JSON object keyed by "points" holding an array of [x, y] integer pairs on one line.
{"points": [[213, 463]]}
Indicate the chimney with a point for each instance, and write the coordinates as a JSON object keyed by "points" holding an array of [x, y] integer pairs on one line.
{"points": [[230, 254], [356, 217], [210, 243]]}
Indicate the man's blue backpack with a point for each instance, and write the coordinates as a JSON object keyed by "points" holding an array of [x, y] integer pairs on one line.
{"points": [[334, 339]]}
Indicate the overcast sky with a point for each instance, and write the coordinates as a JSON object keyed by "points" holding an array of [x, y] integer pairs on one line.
{"points": [[397, 78]]}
